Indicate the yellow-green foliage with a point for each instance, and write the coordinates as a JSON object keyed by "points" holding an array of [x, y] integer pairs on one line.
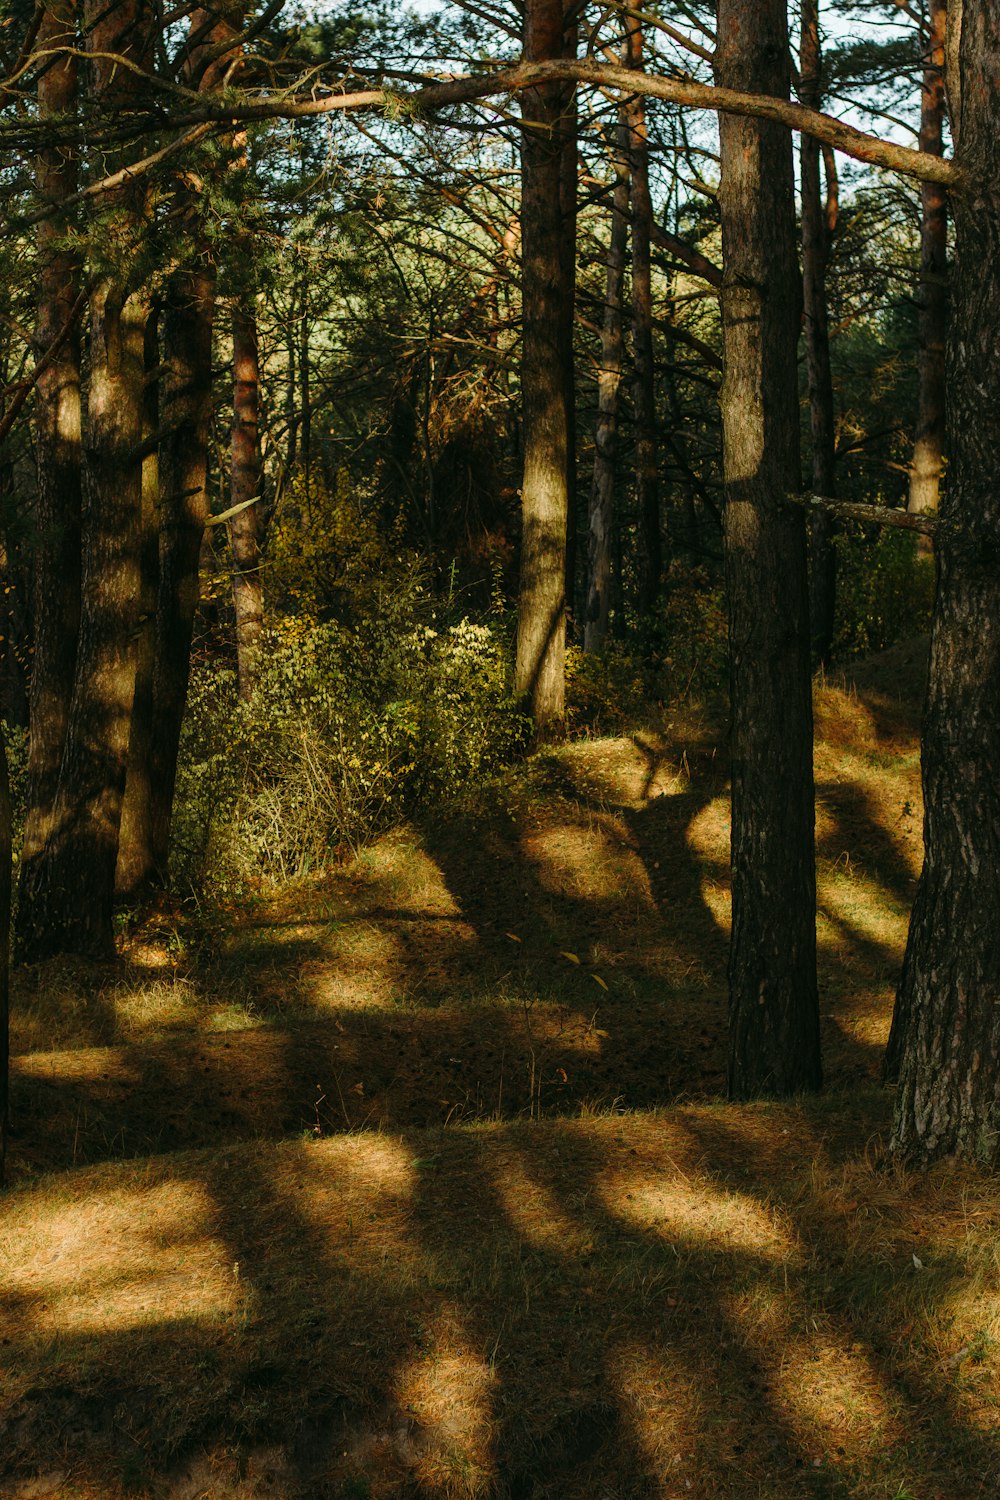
{"points": [[606, 693], [345, 734], [330, 554], [885, 592]]}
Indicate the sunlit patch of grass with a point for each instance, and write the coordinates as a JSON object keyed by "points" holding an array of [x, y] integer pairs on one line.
{"points": [[710, 1300]]}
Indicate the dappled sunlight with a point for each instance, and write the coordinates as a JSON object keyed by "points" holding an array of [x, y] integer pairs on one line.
{"points": [[708, 833], [690, 1212], [449, 1391], [596, 863], [860, 907], [357, 1195], [138, 1256], [665, 1404], [623, 772], [833, 1397], [397, 870], [534, 1210]]}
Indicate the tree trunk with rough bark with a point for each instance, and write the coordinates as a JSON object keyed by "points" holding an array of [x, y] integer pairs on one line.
{"points": [[245, 491], [547, 114], [69, 899], [774, 1012], [56, 585], [928, 447], [946, 1028], [647, 488], [135, 871], [609, 375], [184, 509], [816, 232]]}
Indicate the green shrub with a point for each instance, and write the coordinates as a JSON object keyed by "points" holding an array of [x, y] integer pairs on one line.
{"points": [[885, 591], [344, 736]]}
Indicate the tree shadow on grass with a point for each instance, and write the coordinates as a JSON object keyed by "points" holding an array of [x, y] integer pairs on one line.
{"points": [[624, 1307]]}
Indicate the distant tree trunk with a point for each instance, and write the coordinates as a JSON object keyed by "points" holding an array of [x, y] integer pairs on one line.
{"points": [[609, 374], [644, 390], [69, 900], [5, 891], [774, 1011], [928, 447], [184, 510], [816, 231], [56, 587], [245, 488], [136, 868], [946, 1029], [546, 378], [305, 392]]}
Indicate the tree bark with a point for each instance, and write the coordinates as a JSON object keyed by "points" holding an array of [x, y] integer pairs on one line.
{"points": [[546, 378], [928, 447], [245, 489], [647, 489], [816, 231], [946, 1027], [184, 509], [609, 374], [69, 898], [774, 1011], [136, 871], [57, 563]]}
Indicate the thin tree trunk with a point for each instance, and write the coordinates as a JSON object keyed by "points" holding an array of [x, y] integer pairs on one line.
{"points": [[928, 447], [816, 231], [946, 1028], [245, 488], [774, 1011], [644, 392], [136, 868], [56, 584], [70, 898], [546, 379], [609, 374]]}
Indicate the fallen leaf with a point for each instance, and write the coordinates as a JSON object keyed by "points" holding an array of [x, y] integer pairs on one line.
{"points": [[598, 980], [513, 937], [571, 956]]}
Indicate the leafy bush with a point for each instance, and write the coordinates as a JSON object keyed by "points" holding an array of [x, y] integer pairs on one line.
{"points": [[604, 694], [344, 735], [885, 591]]}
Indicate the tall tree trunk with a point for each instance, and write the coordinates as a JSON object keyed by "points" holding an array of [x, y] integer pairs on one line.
{"points": [[69, 900], [644, 390], [816, 231], [245, 488], [928, 447], [546, 378], [946, 1029], [774, 1011], [136, 869], [57, 434], [609, 374], [184, 509], [188, 319]]}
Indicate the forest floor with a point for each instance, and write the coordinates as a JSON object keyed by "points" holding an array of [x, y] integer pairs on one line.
{"points": [[416, 1179]]}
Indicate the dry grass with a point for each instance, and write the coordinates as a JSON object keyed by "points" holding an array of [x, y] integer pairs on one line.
{"points": [[427, 1190]]}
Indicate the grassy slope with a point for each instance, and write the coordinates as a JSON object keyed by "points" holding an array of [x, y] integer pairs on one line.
{"points": [[546, 1260]]}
